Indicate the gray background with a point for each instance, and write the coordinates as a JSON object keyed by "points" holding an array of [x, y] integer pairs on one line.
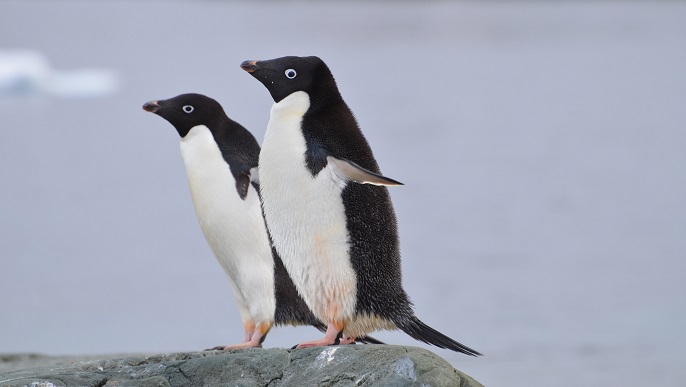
{"points": [[542, 147]]}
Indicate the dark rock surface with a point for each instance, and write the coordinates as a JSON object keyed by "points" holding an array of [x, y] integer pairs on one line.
{"points": [[360, 365]]}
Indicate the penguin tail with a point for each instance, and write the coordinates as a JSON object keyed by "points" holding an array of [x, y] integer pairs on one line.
{"points": [[422, 332]]}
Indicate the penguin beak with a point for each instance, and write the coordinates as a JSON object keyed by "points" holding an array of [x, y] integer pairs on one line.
{"points": [[250, 66], [151, 106]]}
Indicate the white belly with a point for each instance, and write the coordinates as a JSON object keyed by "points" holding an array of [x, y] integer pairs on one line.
{"points": [[234, 228], [306, 216]]}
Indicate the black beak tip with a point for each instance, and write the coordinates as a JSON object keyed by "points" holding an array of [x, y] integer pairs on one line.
{"points": [[249, 65], [151, 106]]}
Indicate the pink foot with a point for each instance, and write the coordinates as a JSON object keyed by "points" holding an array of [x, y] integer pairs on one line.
{"points": [[316, 343], [252, 339], [332, 332], [345, 340], [249, 344]]}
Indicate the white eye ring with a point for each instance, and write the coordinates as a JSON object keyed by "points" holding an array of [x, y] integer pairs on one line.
{"points": [[290, 74], [188, 109]]}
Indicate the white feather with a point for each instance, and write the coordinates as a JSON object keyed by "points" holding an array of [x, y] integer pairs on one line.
{"points": [[234, 228], [306, 215]]}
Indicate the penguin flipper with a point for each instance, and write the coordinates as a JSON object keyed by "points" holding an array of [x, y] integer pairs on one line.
{"points": [[422, 332], [348, 170], [242, 173], [245, 175], [242, 183]]}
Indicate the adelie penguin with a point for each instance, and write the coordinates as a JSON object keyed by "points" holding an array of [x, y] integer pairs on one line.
{"points": [[221, 158], [328, 210]]}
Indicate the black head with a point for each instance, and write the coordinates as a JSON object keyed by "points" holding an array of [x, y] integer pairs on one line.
{"points": [[284, 76], [188, 110]]}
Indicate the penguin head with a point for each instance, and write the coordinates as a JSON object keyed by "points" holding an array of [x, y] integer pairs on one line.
{"points": [[287, 75], [186, 111]]}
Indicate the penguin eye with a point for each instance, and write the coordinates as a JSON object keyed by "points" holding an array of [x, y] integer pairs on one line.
{"points": [[290, 73], [188, 108]]}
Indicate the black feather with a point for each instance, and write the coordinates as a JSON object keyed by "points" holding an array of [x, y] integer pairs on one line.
{"points": [[422, 332]]}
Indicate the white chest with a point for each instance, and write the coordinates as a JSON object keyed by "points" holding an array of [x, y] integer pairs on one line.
{"points": [[234, 228], [306, 215]]}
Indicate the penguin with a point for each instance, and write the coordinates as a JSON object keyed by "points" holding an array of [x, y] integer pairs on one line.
{"points": [[221, 158], [328, 209]]}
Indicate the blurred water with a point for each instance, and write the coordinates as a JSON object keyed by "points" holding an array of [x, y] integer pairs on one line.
{"points": [[542, 147]]}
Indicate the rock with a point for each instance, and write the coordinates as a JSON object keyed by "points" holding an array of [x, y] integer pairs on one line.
{"points": [[353, 365]]}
